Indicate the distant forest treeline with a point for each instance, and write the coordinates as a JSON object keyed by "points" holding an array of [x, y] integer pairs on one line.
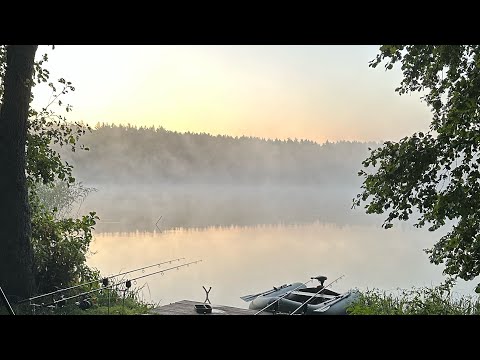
{"points": [[128, 154]]}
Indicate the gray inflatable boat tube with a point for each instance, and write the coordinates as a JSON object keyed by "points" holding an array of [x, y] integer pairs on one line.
{"points": [[335, 306]]}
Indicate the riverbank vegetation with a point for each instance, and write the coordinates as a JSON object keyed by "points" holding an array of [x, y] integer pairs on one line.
{"points": [[437, 300]]}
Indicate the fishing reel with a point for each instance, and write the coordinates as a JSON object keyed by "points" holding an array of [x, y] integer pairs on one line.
{"points": [[87, 302], [84, 304]]}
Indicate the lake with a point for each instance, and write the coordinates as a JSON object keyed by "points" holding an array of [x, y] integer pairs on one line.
{"points": [[251, 239]]}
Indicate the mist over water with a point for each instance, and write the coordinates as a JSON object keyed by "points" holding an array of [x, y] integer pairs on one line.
{"points": [[257, 219], [164, 207], [252, 239]]}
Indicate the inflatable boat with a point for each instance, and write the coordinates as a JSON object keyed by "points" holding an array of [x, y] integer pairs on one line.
{"points": [[299, 299]]}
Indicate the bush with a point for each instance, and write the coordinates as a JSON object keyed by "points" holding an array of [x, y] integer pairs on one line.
{"points": [[60, 248], [416, 301]]}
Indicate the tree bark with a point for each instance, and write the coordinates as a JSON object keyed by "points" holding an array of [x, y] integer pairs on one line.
{"points": [[16, 254]]}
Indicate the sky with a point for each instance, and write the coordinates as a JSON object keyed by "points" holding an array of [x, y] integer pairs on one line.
{"points": [[314, 92]]}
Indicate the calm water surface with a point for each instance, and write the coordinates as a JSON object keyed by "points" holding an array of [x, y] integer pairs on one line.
{"points": [[240, 260]]}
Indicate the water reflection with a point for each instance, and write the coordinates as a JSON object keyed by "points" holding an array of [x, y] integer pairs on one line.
{"points": [[243, 260]]}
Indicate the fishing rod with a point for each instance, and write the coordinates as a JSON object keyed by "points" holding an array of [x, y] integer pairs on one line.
{"points": [[104, 281], [5, 301], [318, 292], [281, 297], [128, 283]]}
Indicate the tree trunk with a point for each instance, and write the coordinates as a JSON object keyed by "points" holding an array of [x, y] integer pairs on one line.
{"points": [[16, 255]]}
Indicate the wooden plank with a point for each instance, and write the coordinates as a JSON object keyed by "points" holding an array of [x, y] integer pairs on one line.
{"points": [[187, 307]]}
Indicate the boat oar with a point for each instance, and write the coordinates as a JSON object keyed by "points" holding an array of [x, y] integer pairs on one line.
{"points": [[281, 297], [318, 292], [254, 296], [104, 280]]}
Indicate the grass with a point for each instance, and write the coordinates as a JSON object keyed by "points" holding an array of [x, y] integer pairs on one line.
{"points": [[103, 302], [416, 301]]}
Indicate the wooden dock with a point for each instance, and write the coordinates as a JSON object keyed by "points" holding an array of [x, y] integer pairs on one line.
{"points": [[187, 307]]}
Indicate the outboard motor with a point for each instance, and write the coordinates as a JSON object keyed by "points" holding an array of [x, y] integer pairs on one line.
{"points": [[321, 279]]}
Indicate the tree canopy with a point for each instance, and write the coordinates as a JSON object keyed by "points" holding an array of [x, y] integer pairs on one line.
{"points": [[435, 173]]}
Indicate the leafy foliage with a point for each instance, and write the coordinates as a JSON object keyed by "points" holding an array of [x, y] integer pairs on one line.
{"points": [[44, 163], [60, 247], [61, 197], [60, 243], [3, 67], [436, 173]]}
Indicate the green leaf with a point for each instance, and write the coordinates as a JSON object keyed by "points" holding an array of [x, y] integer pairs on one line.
{"points": [[435, 174]]}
